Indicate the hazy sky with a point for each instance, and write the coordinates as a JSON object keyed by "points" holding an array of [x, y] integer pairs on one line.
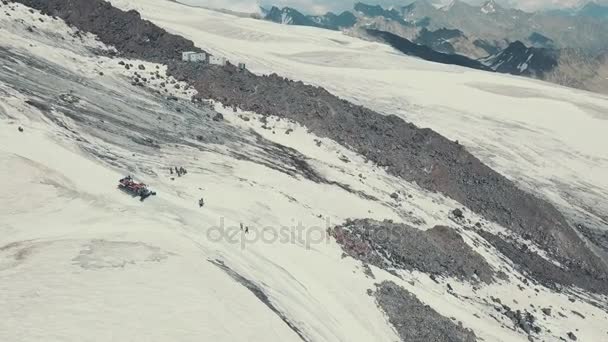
{"points": [[322, 6]]}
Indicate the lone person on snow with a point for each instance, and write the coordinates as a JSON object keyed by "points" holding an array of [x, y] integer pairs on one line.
{"points": [[201, 203]]}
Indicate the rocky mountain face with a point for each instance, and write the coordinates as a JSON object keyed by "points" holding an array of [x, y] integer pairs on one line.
{"points": [[538, 40], [491, 21], [518, 59], [490, 25], [453, 41], [378, 11], [423, 51], [579, 70], [568, 67], [291, 16]]}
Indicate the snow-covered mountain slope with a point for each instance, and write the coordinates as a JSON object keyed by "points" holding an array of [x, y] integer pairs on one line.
{"points": [[509, 122], [82, 261]]}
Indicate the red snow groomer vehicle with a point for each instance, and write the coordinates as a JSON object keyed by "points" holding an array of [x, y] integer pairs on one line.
{"points": [[135, 189]]}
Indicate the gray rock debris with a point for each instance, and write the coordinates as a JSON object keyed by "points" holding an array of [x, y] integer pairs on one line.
{"points": [[416, 322], [437, 251], [542, 270]]}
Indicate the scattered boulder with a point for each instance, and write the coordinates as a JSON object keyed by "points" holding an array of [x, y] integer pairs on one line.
{"points": [[141, 67], [523, 320], [572, 336], [546, 311], [395, 196], [458, 213], [218, 117], [20, 129]]}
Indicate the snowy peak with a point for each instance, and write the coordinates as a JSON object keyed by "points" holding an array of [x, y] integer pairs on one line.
{"points": [[287, 16]]}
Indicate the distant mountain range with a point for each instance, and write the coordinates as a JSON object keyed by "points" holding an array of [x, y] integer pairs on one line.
{"points": [[492, 25], [487, 36], [290, 16]]}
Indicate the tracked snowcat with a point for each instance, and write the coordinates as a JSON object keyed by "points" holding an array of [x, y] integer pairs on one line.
{"points": [[135, 189]]}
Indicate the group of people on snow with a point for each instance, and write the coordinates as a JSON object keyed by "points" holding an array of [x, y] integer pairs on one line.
{"points": [[179, 172]]}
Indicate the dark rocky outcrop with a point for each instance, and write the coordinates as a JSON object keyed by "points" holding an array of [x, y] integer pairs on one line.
{"points": [[542, 270], [522, 320], [437, 251], [518, 59], [416, 322], [490, 48], [439, 40], [422, 51], [417, 155]]}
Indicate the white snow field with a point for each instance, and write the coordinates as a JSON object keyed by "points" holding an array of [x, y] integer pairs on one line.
{"points": [[552, 140], [82, 261]]}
